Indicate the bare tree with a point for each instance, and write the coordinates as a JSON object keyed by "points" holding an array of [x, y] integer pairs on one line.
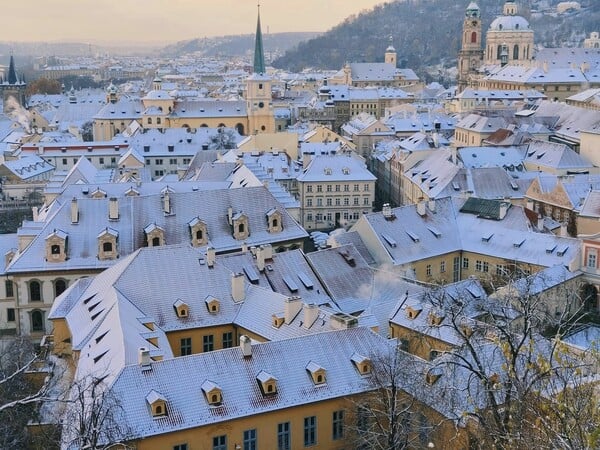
{"points": [[526, 389], [93, 417]]}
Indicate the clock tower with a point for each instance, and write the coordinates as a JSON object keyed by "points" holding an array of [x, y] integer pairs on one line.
{"points": [[470, 56]]}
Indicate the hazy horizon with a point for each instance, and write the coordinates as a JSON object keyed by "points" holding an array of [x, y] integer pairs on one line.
{"points": [[165, 21]]}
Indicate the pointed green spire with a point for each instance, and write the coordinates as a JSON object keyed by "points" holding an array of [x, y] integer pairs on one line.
{"points": [[259, 55], [12, 73]]}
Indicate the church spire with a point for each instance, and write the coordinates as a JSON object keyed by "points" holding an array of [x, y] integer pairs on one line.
{"points": [[259, 55], [12, 73]]}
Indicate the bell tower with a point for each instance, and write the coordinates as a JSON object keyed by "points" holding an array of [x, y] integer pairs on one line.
{"points": [[259, 97], [391, 57], [470, 56]]}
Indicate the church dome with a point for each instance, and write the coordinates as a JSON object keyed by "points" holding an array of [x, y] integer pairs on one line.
{"points": [[509, 23]]}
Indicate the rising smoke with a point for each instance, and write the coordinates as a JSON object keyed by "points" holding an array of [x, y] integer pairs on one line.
{"points": [[14, 111]]}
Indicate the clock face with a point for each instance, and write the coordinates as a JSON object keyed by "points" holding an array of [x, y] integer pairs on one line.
{"points": [[261, 105], [474, 23]]}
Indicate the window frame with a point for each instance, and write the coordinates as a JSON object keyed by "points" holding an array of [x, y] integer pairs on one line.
{"points": [[185, 346], [310, 431]]}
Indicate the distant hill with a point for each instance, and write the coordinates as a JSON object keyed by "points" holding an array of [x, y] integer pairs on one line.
{"points": [[275, 44], [427, 32]]}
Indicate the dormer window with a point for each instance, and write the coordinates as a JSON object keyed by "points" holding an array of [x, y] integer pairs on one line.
{"points": [[181, 309], [212, 304], [274, 221], [435, 318], [362, 363], [413, 311], [277, 320], [157, 403], [56, 246], [107, 244], [433, 375], [98, 193], [155, 235], [317, 373], [267, 383], [240, 226], [198, 232], [212, 392]]}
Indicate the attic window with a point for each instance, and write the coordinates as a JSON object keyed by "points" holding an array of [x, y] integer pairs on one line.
{"points": [[487, 236], [158, 404], [213, 393], [435, 318], [181, 309], [413, 312], [433, 375], [362, 363], [267, 383], [212, 304], [561, 251], [317, 373], [277, 320]]}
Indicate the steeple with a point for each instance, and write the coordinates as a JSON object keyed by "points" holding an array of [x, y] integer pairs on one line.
{"points": [[259, 55], [12, 73]]}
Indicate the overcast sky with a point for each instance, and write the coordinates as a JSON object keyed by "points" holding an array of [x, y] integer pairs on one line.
{"points": [[165, 21]]}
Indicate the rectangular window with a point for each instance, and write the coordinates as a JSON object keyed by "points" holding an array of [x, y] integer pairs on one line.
{"points": [[319, 202], [356, 201], [310, 431], [478, 265], [366, 188], [465, 263], [309, 188], [337, 202], [10, 314], [250, 439], [309, 201], [319, 188], [486, 266], [113, 160], [208, 344], [10, 291], [180, 447], [328, 202], [101, 160], [428, 270], [173, 161], [64, 161], [337, 188], [158, 162], [220, 442], [338, 425], [591, 260], [329, 188], [346, 201], [346, 188], [309, 217], [366, 201], [185, 346], [227, 339], [356, 188], [283, 436], [442, 266], [500, 270]]}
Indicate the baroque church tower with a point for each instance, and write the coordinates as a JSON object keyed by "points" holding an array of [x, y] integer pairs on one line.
{"points": [[470, 56], [259, 101]]}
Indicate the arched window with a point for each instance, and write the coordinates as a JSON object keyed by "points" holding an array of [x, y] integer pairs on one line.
{"points": [[107, 247], [37, 321], [155, 241], [159, 410], [35, 291], [240, 128], [149, 120], [499, 52], [55, 249], [60, 286], [241, 228], [199, 235], [516, 52], [158, 121], [275, 223], [474, 37]]}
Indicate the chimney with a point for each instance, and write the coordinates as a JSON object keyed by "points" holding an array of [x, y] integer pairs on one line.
{"points": [[260, 258], [74, 211], [230, 215], [292, 307], [311, 314], [306, 158], [166, 203], [113, 209], [144, 358], [545, 66], [387, 211], [244, 247], [238, 287], [421, 208], [34, 212], [503, 210], [431, 205], [267, 251], [563, 230], [210, 257], [540, 223], [246, 346]]}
